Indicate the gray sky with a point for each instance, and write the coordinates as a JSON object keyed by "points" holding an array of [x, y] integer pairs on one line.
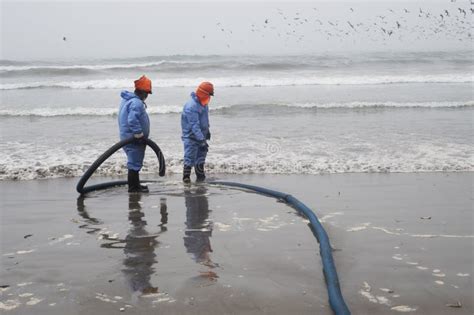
{"points": [[107, 29]]}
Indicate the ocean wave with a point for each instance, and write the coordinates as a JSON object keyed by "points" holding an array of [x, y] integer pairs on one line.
{"points": [[80, 111], [248, 81], [171, 109], [49, 68], [356, 105], [118, 167], [35, 160], [163, 66], [178, 64]]}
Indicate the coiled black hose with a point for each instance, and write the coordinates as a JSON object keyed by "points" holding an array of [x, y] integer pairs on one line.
{"points": [[80, 185]]}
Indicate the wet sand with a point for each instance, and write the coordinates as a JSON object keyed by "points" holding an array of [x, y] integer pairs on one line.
{"points": [[403, 243]]}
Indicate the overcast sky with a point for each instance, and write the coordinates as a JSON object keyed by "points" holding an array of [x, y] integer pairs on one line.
{"points": [[107, 29]]}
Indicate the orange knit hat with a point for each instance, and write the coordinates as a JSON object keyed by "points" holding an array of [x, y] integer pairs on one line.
{"points": [[204, 92], [143, 84]]}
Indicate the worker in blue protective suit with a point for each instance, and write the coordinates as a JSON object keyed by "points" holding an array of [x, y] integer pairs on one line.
{"points": [[134, 122], [195, 131]]}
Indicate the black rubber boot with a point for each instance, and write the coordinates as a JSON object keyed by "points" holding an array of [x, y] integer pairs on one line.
{"points": [[187, 174], [200, 174], [134, 183]]}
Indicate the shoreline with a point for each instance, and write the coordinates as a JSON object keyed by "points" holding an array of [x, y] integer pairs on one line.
{"points": [[153, 175]]}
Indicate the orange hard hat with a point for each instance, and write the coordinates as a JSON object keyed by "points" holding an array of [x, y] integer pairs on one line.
{"points": [[143, 84], [204, 92]]}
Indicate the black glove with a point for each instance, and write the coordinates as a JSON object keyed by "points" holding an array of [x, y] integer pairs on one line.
{"points": [[203, 144], [208, 136]]}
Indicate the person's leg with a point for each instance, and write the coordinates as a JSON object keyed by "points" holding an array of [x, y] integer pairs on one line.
{"points": [[135, 156], [190, 155], [200, 163]]}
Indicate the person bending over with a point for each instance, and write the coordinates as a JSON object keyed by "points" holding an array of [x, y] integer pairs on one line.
{"points": [[195, 131]]}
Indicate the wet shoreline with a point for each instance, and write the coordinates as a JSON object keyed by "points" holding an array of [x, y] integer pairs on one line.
{"points": [[403, 242]]}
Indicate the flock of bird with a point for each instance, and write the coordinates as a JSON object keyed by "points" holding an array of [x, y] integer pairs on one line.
{"points": [[454, 23]]}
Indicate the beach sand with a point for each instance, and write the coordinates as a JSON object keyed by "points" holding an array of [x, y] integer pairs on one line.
{"points": [[402, 243]]}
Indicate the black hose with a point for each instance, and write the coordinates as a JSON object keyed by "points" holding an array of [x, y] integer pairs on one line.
{"points": [[329, 269], [80, 185]]}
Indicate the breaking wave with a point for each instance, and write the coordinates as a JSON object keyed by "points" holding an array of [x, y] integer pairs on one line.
{"points": [[118, 167], [248, 81], [180, 63], [171, 109], [20, 162]]}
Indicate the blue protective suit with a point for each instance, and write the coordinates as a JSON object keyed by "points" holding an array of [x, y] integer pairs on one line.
{"points": [[133, 119], [195, 127]]}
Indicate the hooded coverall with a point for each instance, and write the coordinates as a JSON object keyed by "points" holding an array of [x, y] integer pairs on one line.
{"points": [[133, 119], [195, 127]]}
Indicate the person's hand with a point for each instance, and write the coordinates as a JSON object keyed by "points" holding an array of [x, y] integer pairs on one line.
{"points": [[140, 138], [203, 144], [208, 136]]}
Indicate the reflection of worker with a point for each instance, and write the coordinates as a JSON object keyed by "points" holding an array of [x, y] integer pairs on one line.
{"points": [[164, 215], [195, 131], [198, 227], [134, 122], [139, 249], [138, 245]]}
